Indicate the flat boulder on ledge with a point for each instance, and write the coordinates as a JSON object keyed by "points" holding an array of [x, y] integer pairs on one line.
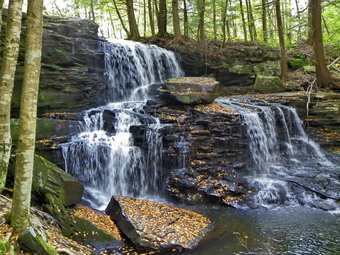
{"points": [[191, 90], [156, 225]]}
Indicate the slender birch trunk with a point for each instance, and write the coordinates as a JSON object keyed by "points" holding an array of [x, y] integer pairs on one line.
{"points": [[283, 57], [7, 72], [28, 113]]}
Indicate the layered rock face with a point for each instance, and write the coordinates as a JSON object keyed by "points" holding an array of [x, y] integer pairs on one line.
{"points": [[72, 67], [204, 153]]}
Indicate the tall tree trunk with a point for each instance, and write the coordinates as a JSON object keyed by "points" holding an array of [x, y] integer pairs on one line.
{"points": [[323, 77], [121, 19], [175, 21], [1, 8], [201, 22], [92, 11], [144, 17], [186, 21], [151, 18], [112, 25], [243, 22], [283, 57], [224, 23], [8, 66], [134, 32], [249, 22], [252, 20], [309, 23], [264, 21], [162, 21], [298, 20], [214, 20], [28, 112]]}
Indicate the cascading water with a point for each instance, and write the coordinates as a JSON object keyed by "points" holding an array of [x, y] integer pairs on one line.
{"points": [[289, 167], [103, 155]]}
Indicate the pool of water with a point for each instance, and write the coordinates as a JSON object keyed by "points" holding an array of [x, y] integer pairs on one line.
{"points": [[282, 231]]}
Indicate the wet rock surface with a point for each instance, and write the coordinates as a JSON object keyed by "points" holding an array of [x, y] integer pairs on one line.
{"points": [[191, 90], [205, 153], [156, 225], [72, 67]]}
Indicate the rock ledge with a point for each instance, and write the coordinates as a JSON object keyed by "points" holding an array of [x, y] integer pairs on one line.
{"points": [[156, 225]]}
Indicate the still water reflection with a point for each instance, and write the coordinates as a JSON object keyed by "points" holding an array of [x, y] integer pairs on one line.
{"points": [[282, 231]]}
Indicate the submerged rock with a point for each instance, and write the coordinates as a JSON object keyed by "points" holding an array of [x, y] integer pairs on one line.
{"points": [[192, 90], [156, 225]]}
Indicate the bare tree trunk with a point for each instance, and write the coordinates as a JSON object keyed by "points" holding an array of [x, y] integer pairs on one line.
{"points": [[92, 11], [8, 66], [224, 23], [162, 21], [309, 23], [112, 25], [28, 112], [283, 57], [1, 8], [252, 20], [151, 19], [250, 27], [175, 18], [201, 14], [121, 19], [243, 22], [186, 21], [323, 76], [144, 16], [134, 33], [264, 21], [298, 20], [214, 20]]}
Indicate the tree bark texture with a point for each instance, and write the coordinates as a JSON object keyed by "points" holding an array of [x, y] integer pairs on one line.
{"points": [[8, 66], [175, 20], [185, 18], [28, 113], [162, 21], [243, 22], [151, 18], [264, 21], [134, 32], [201, 22], [323, 77], [283, 57], [121, 19]]}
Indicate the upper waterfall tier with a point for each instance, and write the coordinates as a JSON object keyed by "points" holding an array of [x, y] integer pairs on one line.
{"points": [[131, 67], [103, 156]]}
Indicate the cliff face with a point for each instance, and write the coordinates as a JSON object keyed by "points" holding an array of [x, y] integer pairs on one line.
{"points": [[72, 67]]}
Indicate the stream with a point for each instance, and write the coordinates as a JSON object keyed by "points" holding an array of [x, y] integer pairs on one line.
{"points": [[105, 159]]}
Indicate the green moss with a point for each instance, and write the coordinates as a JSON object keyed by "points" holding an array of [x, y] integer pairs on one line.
{"points": [[268, 84], [297, 63]]}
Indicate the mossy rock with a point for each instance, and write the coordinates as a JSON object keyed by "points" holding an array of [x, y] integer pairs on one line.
{"points": [[6, 248], [32, 242], [48, 178], [268, 84], [191, 90], [297, 63], [241, 69], [271, 68], [309, 69]]}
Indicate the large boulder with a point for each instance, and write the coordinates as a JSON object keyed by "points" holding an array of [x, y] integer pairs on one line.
{"points": [[156, 225], [268, 84], [192, 90], [48, 178]]}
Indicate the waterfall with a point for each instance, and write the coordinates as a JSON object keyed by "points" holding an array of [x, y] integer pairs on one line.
{"points": [[103, 155], [285, 159]]}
